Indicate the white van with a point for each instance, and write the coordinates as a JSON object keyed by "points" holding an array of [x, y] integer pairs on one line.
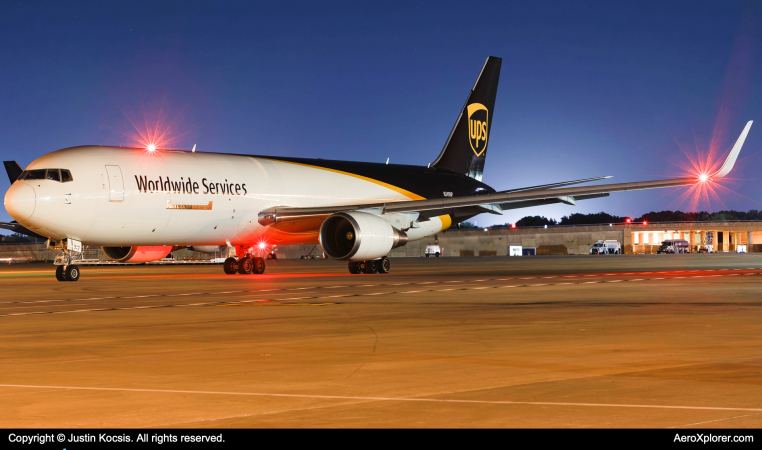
{"points": [[607, 247], [433, 250]]}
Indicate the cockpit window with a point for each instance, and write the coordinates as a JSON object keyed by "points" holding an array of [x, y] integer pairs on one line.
{"points": [[38, 174], [54, 174], [60, 175]]}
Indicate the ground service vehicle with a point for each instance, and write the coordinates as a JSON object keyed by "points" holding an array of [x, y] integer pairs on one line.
{"points": [[607, 247], [140, 203], [433, 250], [674, 246]]}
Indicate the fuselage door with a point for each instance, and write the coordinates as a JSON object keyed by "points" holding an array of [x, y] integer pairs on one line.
{"points": [[115, 183]]}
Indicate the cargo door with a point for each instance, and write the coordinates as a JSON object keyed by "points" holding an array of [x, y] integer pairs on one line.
{"points": [[115, 184]]}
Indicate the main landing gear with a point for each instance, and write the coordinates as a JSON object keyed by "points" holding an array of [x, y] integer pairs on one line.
{"points": [[382, 265], [244, 265]]}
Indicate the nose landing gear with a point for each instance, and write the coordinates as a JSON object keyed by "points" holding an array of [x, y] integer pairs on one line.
{"points": [[67, 273], [70, 251], [382, 265], [72, 273]]}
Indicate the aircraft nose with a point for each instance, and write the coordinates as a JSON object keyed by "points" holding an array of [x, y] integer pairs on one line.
{"points": [[20, 201]]}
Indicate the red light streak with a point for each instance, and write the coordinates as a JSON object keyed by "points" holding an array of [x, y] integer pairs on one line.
{"points": [[708, 159], [261, 248], [701, 164], [154, 129]]}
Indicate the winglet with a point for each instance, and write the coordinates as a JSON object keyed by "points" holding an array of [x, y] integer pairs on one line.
{"points": [[731, 159]]}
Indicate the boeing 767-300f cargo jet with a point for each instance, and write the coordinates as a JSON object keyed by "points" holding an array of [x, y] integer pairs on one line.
{"points": [[140, 203]]}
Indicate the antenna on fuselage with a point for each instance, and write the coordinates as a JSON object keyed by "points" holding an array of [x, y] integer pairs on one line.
{"points": [[194, 149]]}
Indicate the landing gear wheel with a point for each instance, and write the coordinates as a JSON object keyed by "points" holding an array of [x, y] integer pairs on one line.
{"points": [[245, 265], [60, 274], [72, 272], [258, 265], [369, 267], [230, 266], [384, 265], [354, 267]]}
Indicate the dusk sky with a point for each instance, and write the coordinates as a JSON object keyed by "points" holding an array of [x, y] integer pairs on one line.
{"points": [[587, 88]]}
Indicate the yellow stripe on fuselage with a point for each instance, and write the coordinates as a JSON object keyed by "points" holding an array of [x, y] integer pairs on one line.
{"points": [[408, 194]]}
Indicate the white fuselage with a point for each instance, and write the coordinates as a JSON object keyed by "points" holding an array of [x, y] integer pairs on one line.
{"points": [[133, 197]]}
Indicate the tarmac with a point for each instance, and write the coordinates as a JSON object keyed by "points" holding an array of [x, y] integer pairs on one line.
{"points": [[549, 341]]}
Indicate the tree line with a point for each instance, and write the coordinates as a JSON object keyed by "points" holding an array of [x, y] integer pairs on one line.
{"points": [[653, 216]]}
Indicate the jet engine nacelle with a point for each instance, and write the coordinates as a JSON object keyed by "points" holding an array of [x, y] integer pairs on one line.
{"points": [[139, 254], [358, 236]]}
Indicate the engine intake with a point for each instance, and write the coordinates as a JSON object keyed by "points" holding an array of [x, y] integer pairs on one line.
{"points": [[139, 254], [358, 236]]}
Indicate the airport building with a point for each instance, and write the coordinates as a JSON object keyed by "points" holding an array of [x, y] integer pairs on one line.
{"points": [[576, 240], [554, 240]]}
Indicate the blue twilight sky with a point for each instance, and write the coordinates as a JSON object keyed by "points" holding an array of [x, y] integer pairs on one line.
{"points": [[587, 88]]}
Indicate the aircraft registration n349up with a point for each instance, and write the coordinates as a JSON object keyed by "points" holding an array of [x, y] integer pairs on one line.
{"points": [[139, 204]]}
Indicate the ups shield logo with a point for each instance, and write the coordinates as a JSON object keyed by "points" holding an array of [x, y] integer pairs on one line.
{"points": [[477, 127]]}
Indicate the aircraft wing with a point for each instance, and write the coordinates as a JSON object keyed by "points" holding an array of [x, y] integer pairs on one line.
{"points": [[512, 199], [498, 198], [18, 228], [555, 185]]}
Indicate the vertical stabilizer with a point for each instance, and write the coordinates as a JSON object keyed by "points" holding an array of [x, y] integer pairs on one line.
{"points": [[466, 148]]}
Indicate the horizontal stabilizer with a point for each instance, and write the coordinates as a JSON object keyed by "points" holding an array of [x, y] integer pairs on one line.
{"points": [[13, 169]]}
